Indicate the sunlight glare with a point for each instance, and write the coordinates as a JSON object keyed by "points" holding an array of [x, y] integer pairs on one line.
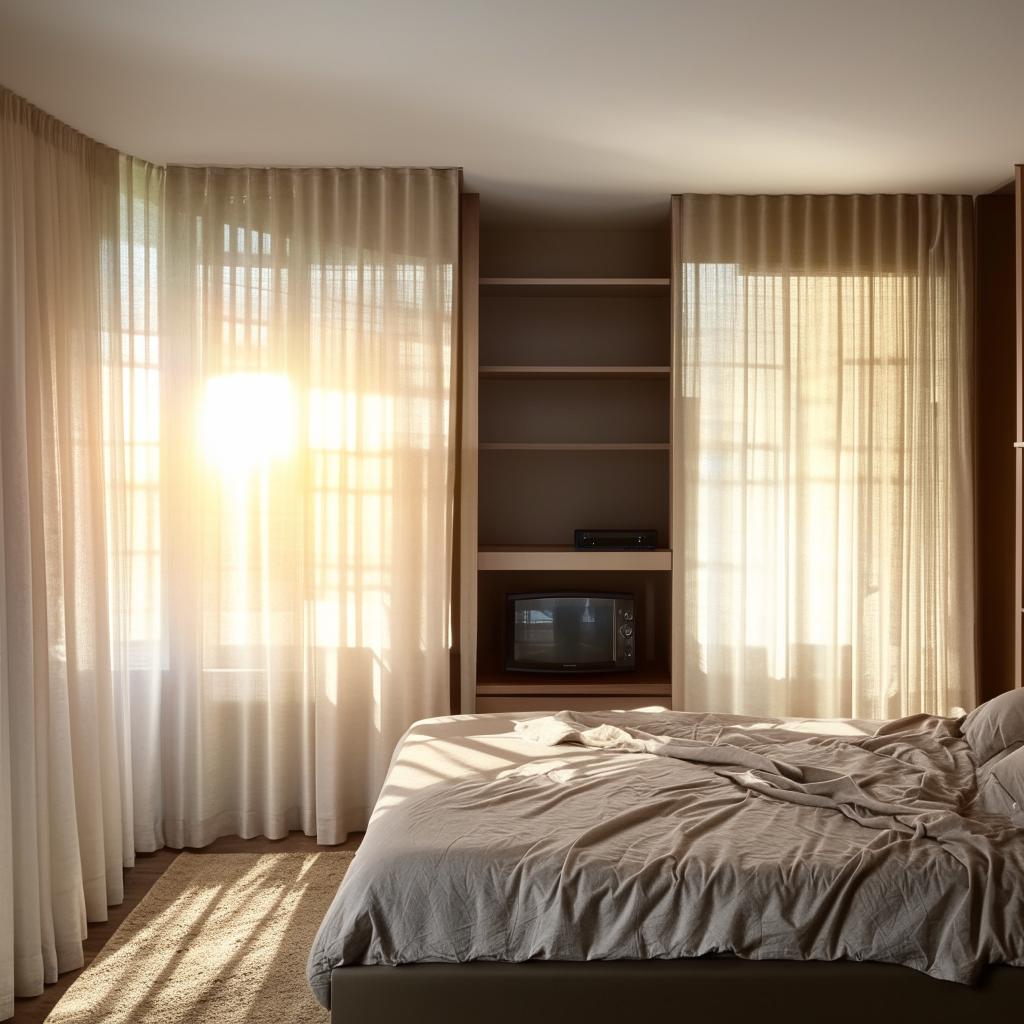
{"points": [[248, 420]]}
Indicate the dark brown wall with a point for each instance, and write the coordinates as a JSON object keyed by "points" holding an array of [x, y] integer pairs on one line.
{"points": [[566, 252], [995, 382]]}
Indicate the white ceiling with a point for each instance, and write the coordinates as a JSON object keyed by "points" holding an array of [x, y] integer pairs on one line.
{"points": [[555, 108]]}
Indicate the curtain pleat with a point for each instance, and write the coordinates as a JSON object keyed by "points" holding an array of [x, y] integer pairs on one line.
{"points": [[823, 470]]}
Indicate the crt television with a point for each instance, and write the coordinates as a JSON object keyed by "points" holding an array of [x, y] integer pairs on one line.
{"points": [[570, 632]]}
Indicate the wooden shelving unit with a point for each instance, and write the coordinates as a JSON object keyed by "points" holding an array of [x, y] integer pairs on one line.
{"points": [[568, 404]]}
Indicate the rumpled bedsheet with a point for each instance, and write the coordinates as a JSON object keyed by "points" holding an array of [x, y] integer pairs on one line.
{"points": [[657, 834]]}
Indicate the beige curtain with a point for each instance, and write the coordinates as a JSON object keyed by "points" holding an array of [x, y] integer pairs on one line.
{"points": [[226, 509], [292, 545], [822, 518], [65, 792]]}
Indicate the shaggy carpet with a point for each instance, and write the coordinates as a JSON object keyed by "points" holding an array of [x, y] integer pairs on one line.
{"points": [[220, 938]]}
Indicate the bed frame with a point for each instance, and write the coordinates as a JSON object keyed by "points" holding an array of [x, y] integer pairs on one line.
{"points": [[716, 990]]}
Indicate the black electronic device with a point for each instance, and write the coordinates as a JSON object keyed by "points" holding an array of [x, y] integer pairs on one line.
{"points": [[616, 540], [570, 632]]}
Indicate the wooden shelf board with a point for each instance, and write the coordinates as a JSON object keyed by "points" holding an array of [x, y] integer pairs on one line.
{"points": [[570, 446], [553, 286], [630, 685], [566, 558], [574, 372]]}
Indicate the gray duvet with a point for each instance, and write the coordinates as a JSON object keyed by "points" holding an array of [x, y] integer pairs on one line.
{"points": [[654, 834]]}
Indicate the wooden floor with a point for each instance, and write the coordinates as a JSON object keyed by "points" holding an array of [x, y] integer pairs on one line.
{"points": [[137, 882]]}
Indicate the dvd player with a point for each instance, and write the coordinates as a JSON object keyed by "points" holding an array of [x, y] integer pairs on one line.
{"points": [[616, 540]]}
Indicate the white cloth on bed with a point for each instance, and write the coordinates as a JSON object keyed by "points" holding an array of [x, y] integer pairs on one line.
{"points": [[806, 784]]}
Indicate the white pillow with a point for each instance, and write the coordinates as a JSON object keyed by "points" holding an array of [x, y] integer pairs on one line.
{"points": [[985, 770], [1003, 790], [995, 725]]}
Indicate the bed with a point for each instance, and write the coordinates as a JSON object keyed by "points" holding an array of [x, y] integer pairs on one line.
{"points": [[600, 865]]}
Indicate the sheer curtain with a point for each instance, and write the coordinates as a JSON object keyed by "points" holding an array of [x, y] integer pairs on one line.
{"points": [[226, 508], [822, 479], [65, 788], [292, 548]]}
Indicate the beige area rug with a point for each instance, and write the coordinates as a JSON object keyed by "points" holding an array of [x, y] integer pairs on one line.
{"points": [[220, 938]]}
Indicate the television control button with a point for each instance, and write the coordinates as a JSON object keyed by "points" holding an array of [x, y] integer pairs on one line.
{"points": [[629, 650], [628, 616], [626, 631]]}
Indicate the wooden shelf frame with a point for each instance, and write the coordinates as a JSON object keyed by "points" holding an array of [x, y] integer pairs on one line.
{"points": [[541, 330]]}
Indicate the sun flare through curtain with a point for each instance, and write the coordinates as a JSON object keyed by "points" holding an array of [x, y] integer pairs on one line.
{"points": [[292, 546], [823, 469]]}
